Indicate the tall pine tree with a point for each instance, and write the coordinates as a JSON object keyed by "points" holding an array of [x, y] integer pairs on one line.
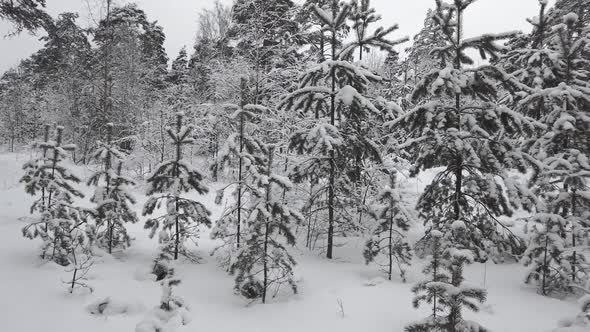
{"points": [[333, 91]]}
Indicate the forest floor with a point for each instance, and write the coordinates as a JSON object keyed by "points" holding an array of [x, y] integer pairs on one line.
{"points": [[341, 295]]}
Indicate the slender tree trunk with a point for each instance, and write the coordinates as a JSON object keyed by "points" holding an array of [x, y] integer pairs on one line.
{"points": [[308, 237], [106, 65], [329, 253], [266, 226], [390, 247], [545, 264], [240, 160], [107, 168], [177, 175], [435, 264], [75, 272], [52, 177], [44, 205], [215, 155], [574, 259], [45, 139], [459, 161], [86, 144], [162, 140]]}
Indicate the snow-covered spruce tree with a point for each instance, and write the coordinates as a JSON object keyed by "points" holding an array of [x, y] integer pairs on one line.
{"points": [[458, 126], [182, 215], [389, 238], [333, 92], [444, 289], [58, 217], [112, 196], [264, 263], [560, 160], [248, 154]]}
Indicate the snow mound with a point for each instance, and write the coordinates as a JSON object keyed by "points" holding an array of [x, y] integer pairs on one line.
{"points": [[374, 281], [109, 307], [163, 321]]}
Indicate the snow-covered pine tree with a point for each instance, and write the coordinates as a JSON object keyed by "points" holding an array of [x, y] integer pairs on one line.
{"points": [[179, 70], [444, 289], [563, 7], [266, 35], [263, 262], [357, 129], [458, 125], [62, 226], [182, 215], [560, 160], [389, 238], [544, 254], [312, 28], [362, 15], [531, 63], [426, 290], [333, 91], [419, 61], [402, 73], [58, 217], [112, 196], [37, 174], [250, 154]]}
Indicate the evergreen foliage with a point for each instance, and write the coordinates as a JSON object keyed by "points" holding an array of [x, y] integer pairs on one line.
{"points": [[445, 289], [559, 159], [112, 195], [389, 237], [333, 91], [459, 125], [167, 183], [26, 14], [263, 263], [250, 153], [59, 221]]}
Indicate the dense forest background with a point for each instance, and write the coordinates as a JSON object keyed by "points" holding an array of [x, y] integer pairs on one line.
{"points": [[311, 115]]}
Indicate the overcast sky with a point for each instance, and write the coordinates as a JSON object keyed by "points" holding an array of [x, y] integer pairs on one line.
{"points": [[178, 17]]}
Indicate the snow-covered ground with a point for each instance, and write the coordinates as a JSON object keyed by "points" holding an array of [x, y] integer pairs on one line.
{"points": [[340, 295]]}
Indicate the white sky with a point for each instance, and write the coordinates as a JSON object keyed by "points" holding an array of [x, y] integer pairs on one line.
{"points": [[179, 19]]}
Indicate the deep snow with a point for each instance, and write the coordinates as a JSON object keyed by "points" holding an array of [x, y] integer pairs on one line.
{"points": [[341, 295]]}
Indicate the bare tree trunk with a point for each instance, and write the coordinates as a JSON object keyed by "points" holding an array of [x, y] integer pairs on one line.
{"points": [[329, 253], [240, 160], [107, 168], [266, 227], [177, 175]]}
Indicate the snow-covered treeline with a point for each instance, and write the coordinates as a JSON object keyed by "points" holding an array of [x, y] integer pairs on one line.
{"points": [[308, 119]]}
